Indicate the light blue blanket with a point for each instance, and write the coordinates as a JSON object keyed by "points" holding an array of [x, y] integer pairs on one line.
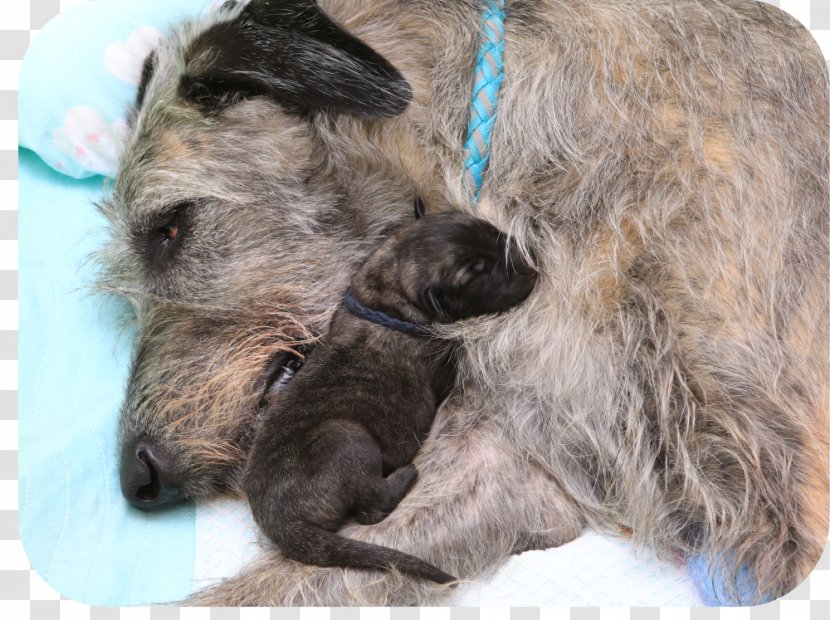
{"points": [[77, 80], [79, 533]]}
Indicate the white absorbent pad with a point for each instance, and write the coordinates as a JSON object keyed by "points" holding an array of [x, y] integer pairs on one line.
{"points": [[593, 570]]}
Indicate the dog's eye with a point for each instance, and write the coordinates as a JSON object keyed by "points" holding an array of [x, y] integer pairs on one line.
{"points": [[169, 232], [166, 236]]}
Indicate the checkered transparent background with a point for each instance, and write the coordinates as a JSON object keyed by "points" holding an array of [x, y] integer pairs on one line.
{"points": [[23, 594]]}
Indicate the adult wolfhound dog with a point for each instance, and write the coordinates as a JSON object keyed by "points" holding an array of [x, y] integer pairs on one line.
{"points": [[663, 163]]}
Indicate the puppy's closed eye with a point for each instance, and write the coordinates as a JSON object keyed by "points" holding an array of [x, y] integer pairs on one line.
{"points": [[478, 266]]}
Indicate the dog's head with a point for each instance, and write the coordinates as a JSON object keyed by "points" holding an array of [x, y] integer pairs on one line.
{"points": [[455, 266], [236, 223]]}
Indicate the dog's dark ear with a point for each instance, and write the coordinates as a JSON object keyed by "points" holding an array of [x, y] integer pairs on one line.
{"points": [[290, 50], [420, 208], [147, 70]]}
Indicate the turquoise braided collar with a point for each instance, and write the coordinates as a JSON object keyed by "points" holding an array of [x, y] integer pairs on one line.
{"points": [[486, 82]]}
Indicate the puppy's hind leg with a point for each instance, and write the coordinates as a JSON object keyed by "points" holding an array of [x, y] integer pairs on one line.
{"points": [[382, 497]]}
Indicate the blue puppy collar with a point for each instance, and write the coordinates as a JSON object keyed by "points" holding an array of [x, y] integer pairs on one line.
{"points": [[381, 318]]}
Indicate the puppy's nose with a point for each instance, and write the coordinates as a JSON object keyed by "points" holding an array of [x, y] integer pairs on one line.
{"points": [[517, 265], [523, 270], [146, 477]]}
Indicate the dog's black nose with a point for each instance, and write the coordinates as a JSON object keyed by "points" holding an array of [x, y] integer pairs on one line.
{"points": [[146, 477]]}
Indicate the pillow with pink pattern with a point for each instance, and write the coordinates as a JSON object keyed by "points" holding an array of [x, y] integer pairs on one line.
{"points": [[81, 73]]}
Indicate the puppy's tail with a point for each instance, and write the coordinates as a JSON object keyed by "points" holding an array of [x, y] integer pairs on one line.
{"points": [[313, 545]]}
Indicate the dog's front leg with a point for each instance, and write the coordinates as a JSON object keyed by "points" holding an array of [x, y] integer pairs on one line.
{"points": [[477, 501]]}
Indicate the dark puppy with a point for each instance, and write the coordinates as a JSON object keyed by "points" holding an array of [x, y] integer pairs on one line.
{"points": [[340, 440]]}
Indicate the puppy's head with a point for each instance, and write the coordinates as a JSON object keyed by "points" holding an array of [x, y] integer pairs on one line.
{"points": [[453, 266]]}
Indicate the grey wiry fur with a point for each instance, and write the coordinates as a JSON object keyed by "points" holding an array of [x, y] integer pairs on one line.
{"points": [[338, 442], [665, 162]]}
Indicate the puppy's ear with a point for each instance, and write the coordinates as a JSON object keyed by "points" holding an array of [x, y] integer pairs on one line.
{"points": [[290, 50], [420, 208]]}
